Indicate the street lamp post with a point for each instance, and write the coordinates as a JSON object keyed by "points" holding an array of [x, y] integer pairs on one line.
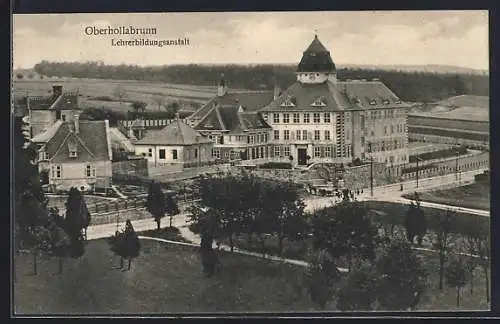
{"points": [[456, 166], [418, 159], [371, 168]]}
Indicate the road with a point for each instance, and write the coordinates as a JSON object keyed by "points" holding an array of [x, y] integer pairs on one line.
{"points": [[390, 193]]}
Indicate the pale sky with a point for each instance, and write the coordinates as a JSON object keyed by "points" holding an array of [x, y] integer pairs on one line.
{"points": [[380, 38]]}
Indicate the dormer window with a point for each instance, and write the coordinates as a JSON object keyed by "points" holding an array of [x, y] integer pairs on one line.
{"points": [[288, 102], [386, 101], [43, 156], [320, 102], [373, 102], [72, 150], [398, 101]]}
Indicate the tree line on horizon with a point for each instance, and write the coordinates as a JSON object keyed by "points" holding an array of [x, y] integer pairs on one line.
{"points": [[409, 86]]}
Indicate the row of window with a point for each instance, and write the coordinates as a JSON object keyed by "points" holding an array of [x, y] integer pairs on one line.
{"points": [[57, 171], [390, 159], [391, 129], [381, 146], [162, 154], [302, 135], [297, 118], [250, 139], [386, 113]]}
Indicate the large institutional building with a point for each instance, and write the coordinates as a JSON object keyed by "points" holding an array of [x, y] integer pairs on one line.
{"points": [[316, 119]]}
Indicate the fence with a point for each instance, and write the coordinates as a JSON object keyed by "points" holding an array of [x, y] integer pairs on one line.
{"points": [[147, 123], [466, 163]]}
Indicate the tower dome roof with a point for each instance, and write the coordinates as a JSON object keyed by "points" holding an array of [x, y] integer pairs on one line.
{"points": [[316, 58]]}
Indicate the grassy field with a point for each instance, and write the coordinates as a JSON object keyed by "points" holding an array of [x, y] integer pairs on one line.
{"points": [[167, 279], [164, 279], [475, 195], [89, 89]]}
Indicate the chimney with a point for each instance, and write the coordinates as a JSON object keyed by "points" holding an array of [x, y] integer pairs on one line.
{"points": [[57, 90], [277, 91], [77, 124], [222, 88]]}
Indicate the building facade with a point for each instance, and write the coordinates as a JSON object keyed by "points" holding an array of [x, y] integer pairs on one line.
{"points": [[75, 154], [233, 123], [322, 119], [44, 111], [177, 145]]}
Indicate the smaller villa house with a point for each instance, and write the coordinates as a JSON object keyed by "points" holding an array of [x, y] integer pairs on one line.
{"points": [[75, 154], [174, 147]]}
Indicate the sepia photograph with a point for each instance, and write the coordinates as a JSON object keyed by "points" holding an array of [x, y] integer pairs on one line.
{"points": [[174, 164]]}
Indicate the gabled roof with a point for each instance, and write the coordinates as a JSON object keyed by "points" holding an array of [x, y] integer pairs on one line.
{"points": [[65, 101], [176, 133], [316, 58], [250, 101], [343, 95], [229, 119], [91, 141]]}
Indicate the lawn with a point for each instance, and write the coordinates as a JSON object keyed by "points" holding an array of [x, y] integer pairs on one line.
{"points": [[168, 279], [164, 279], [475, 195]]}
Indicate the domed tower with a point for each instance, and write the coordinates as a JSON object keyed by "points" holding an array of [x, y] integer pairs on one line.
{"points": [[316, 65]]}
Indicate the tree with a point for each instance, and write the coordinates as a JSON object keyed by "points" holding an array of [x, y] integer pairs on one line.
{"points": [[401, 277], [61, 242], [415, 222], [159, 101], [477, 243], [321, 276], [442, 241], [284, 211], [77, 215], [155, 203], [456, 275], [359, 291], [171, 207], [345, 230], [125, 244], [138, 107]]}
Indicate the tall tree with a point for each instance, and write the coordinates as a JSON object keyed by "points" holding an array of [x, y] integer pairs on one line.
{"points": [[77, 214], [359, 291], [402, 278], [171, 207], [415, 222], [345, 230], [442, 241], [456, 275], [155, 203], [159, 101], [321, 276]]}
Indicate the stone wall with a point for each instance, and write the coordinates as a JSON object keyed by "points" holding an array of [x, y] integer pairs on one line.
{"points": [[358, 177], [136, 167], [120, 216]]}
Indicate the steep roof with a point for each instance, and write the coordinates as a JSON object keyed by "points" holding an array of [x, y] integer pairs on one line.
{"points": [[233, 119], [176, 133], [250, 101], [342, 95], [316, 58], [65, 101], [91, 141]]}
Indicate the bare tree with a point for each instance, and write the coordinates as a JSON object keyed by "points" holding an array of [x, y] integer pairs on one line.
{"points": [[442, 242], [159, 101]]}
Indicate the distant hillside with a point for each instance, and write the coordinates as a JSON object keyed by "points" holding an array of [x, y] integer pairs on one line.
{"points": [[409, 86], [466, 101], [431, 68]]}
